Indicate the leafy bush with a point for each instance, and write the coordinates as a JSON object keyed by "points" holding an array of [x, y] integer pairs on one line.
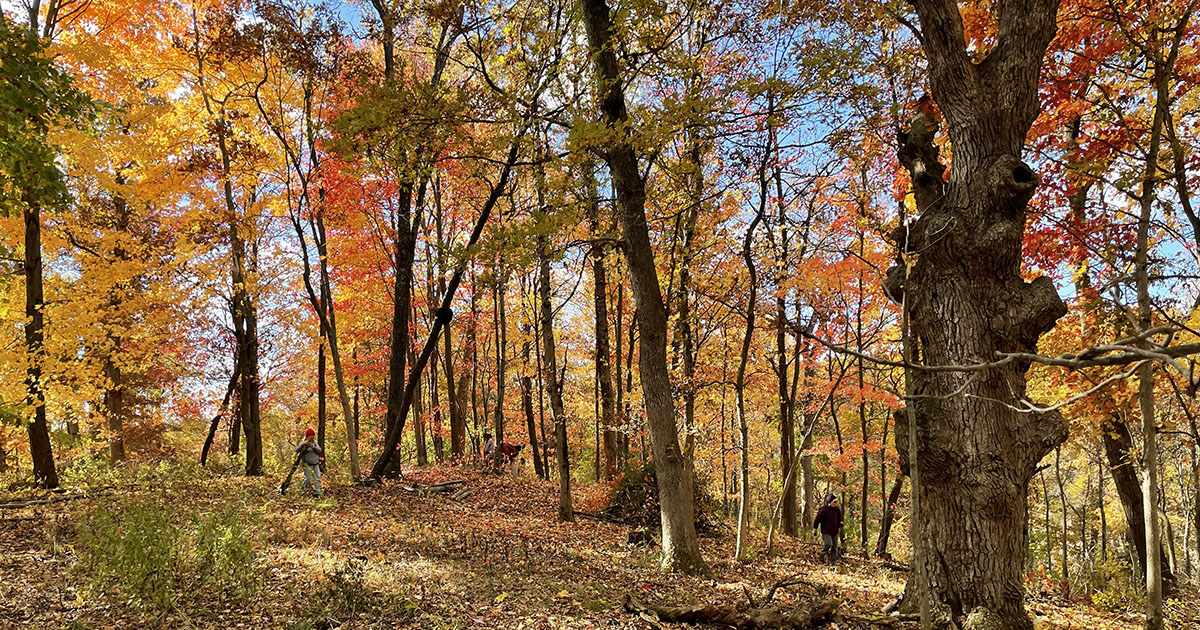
{"points": [[346, 596], [633, 498], [1115, 589], [134, 547], [225, 548], [90, 470]]}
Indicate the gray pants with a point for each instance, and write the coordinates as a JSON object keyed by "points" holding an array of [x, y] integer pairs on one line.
{"points": [[312, 477], [829, 547]]}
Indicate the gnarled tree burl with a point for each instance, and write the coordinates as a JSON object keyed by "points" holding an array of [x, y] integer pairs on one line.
{"points": [[968, 301]]}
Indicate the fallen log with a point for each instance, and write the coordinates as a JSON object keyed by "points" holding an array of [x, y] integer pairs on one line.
{"points": [[800, 618], [602, 517], [47, 499], [444, 486]]}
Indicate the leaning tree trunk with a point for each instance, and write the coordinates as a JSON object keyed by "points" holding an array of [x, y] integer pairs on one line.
{"points": [[889, 515], [969, 303], [681, 549]]}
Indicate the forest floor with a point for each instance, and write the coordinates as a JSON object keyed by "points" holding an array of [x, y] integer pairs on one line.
{"points": [[496, 559]]}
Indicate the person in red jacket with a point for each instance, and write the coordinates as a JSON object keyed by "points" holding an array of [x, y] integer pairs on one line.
{"points": [[829, 519]]}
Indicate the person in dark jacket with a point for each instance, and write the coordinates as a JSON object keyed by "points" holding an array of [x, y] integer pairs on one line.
{"points": [[829, 520], [310, 462]]}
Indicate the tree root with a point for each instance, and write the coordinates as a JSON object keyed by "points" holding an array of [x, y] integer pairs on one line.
{"points": [[750, 619]]}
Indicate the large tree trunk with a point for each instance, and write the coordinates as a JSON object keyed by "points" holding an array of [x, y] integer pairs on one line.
{"points": [[681, 549], [554, 386], [968, 303]]}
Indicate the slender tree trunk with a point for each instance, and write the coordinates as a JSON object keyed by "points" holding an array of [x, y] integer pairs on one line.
{"points": [[621, 418], [1103, 511], [453, 394], [603, 352], [530, 423], [212, 427], [501, 365], [1161, 70], [321, 411], [474, 364], [565, 512], [418, 423], [436, 407], [1062, 496], [743, 530], [862, 409], [541, 386], [889, 513], [1046, 524]]}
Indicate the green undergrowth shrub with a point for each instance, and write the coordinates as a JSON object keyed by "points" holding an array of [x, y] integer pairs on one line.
{"points": [[345, 596], [1114, 588], [155, 558]]}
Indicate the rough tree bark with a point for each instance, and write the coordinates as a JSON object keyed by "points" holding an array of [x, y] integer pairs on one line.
{"points": [[968, 302], [681, 549]]}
